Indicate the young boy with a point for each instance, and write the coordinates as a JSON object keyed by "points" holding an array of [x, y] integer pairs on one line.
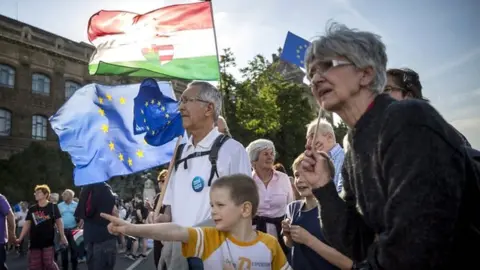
{"points": [[232, 243], [302, 231]]}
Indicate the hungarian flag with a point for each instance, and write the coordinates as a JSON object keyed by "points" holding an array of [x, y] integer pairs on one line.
{"points": [[171, 42], [78, 236]]}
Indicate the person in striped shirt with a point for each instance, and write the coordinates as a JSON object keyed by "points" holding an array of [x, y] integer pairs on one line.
{"points": [[325, 141]]}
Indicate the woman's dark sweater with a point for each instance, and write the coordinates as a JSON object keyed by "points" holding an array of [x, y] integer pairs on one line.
{"points": [[406, 203]]}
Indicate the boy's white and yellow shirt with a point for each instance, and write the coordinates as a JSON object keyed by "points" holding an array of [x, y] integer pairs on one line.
{"points": [[215, 248]]}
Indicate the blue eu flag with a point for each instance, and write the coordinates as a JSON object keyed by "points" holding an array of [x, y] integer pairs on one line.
{"points": [[118, 130], [294, 50]]}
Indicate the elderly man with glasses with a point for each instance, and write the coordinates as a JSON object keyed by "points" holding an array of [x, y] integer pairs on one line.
{"points": [[410, 200], [206, 156]]}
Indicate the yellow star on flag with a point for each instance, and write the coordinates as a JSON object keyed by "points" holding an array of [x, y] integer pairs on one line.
{"points": [[130, 162], [120, 156], [139, 153], [101, 112], [167, 115], [142, 111], [162, 108], [159, 103], [112, 146], [109, 97], [105, 128], [146, 103], [153, 101], [100, 100], [122, 100], [148, 128]]}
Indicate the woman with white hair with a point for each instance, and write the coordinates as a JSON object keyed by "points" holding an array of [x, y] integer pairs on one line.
{"points": [[274, 188], [410, 197]]}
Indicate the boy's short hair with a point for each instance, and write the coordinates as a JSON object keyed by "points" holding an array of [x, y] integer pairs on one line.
{"points": [[297, 161], [45, 189], [242, 189], [328, 163]]}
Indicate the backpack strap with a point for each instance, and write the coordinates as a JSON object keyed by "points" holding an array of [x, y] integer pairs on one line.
{"points": [[179, 160], [178, 155], [213, 157]]}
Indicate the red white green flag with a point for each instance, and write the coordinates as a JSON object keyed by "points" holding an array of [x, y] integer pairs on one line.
{"points": [[171, 42]]}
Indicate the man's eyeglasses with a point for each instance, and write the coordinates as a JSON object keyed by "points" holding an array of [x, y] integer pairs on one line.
{"points": [[185, 100]]}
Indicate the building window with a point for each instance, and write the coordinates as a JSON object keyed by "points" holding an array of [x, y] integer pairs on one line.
{"points": [[5, 122], [39, 127], [7, 76], [40, 84], [70, 88]]}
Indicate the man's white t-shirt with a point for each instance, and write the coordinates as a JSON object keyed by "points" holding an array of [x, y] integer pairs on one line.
{"points": [[190, 207]]}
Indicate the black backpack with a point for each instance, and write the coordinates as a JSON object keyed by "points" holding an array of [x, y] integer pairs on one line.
{"points": [[212, 156]]}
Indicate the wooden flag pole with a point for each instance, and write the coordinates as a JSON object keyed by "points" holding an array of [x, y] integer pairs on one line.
{"points": [[321, 114], [167, 179]]}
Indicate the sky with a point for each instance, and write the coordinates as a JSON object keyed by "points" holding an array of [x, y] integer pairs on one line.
{"points": [[440, 39]]}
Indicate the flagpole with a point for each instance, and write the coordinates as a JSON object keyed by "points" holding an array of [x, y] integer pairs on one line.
{"points": [[218, 55]]}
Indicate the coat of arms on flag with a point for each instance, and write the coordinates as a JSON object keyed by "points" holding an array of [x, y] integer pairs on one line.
{"points": [[161, 53]]}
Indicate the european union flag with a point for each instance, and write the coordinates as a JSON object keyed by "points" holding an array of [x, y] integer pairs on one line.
{"points": [[118, 130], [294, 50]]}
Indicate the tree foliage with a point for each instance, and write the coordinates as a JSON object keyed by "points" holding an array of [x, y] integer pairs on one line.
{"points": [[37, 164], [265, 105]]}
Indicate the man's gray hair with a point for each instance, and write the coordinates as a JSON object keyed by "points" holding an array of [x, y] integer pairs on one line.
{"points": [[324, 127], [209, 93], [362, 48], [257, 146]]}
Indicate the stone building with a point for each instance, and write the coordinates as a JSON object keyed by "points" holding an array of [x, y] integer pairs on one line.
{"points": [[39, 71]]}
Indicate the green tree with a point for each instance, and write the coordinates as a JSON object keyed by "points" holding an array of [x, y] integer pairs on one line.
{"points": [[265, 105], [37, 164]]}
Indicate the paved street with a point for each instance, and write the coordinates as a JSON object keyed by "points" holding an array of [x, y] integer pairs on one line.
{"points": [[20, 263]]}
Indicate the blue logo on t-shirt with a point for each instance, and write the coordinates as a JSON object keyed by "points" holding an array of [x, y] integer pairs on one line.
{"points": [[198, 184]]}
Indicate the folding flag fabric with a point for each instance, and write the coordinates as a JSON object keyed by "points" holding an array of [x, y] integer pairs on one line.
{"points": [[171, 42], [77, 236], [294, 50], [118, 130]]}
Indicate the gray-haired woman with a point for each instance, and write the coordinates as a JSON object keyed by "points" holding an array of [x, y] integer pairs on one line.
{"points": [[274, 188], [407, 202]]}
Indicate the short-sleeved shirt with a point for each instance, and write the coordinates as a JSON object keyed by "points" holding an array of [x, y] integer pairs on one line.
{"points": [[42, 229], [67, 211], [274, 197], [4, 210], [301, 256], [232, 159], [216, 248]]}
